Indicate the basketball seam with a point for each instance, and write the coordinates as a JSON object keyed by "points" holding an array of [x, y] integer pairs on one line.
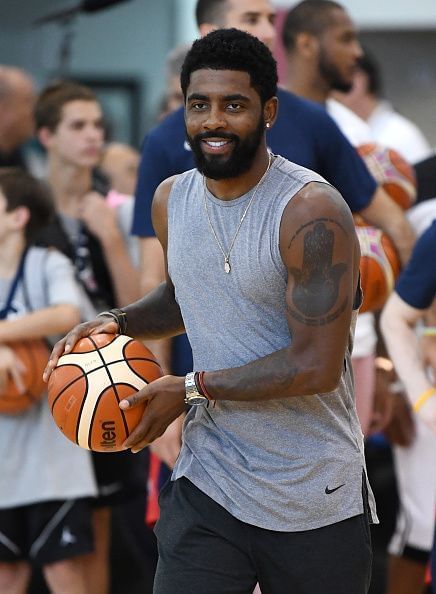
{"points": [[82, 405], [84, 376], [70, 383], [106, 366], [127, 360], [91, 422]]}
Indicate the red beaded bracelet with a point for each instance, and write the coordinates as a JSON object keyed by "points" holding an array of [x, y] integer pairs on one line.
{"points": [[202, 387]]}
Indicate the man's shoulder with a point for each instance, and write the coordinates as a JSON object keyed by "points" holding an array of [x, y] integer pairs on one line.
{"points": [[296, 106], [167, 141], [178, 180], [285, 168], [429, 236], [424, 250], [172, 124], [306, 120]]}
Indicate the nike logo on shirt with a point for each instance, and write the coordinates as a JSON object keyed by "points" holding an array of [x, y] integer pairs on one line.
{"points": [[330, 491]]}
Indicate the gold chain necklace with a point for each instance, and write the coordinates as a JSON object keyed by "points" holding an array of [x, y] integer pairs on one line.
{"points": [[227, 267]]}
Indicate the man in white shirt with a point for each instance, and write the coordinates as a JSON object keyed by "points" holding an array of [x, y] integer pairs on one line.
{"points": [[387, 126]]}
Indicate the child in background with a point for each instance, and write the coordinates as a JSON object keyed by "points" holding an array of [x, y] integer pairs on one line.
{"points": [[94, 235], [46, 481]]}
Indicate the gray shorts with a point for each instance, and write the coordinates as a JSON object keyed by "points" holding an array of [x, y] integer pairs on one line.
{"points": [[47, 532]]}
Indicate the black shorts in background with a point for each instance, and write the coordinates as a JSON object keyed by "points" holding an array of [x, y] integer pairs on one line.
{"points": [[120, 476], [43, 533]]}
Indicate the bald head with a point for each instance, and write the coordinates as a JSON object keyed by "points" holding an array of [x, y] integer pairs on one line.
{"points": [[13, 80], [17, 96], [120, 163]]}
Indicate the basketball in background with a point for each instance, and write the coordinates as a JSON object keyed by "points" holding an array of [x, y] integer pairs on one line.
{"points": [[379, 267], [391, 171], [34, 355], [87, 385]]}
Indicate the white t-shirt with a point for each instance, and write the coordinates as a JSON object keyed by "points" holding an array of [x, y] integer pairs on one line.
{"points": [[38, 463], [393, 130], [354, 128], [422, 215]]}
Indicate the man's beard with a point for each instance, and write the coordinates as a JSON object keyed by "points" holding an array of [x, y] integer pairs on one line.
{"points": [[223, 167], [331, 74]]}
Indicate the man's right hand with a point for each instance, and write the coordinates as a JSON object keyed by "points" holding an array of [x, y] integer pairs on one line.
{"points": [[100, 325]]}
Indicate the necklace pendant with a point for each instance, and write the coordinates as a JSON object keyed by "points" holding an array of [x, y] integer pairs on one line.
{"points": [[226, 266]]}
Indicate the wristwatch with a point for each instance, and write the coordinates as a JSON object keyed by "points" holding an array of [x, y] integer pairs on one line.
{"points": [[192, 395]]}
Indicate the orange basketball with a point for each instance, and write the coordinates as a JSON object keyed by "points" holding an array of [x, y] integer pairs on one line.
{"points": [[379, 267], [87, 385], [34, 355], [391, 171]]}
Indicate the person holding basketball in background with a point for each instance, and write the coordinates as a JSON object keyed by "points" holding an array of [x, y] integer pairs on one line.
{"points": [[262, 273], [46, 483], [94, 235]]}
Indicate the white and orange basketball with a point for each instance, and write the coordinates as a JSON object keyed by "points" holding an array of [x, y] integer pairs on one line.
{"points": [[391, 171], [87, 385], [379, 267], [34, 355]]}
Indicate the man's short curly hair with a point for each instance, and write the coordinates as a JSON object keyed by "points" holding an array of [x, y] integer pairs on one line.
{"points": [[232, 49], [308, 16]]}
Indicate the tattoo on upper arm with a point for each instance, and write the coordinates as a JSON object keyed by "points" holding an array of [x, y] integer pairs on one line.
{"points": [[316, 284]]}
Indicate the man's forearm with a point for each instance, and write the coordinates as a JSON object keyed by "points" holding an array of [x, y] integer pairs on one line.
{"points": [[402, 344], [157, 315], [125, 277], [384, 213], [56, 319], [282, 374]]}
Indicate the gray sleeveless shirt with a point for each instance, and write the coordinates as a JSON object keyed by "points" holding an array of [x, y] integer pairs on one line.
{"points": [[285, 464]]}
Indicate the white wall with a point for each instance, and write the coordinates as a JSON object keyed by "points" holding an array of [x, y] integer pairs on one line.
{"points": [[127, 40], [186, 27]]}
